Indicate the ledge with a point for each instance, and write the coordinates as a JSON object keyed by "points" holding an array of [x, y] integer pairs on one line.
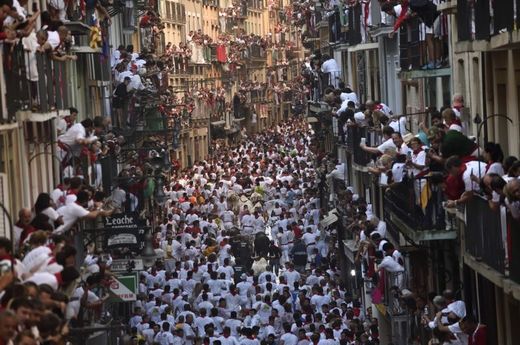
{"points": [[85, 50], [512, 288], [428, 73], [500, 41], [35, 116], [8, 126], [363, 46], [421, 235], [448, 7], [483, 269], [382, 30]]}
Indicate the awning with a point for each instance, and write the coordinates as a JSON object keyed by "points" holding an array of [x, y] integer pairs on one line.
{"points": [[330, 218], [218, 123]]}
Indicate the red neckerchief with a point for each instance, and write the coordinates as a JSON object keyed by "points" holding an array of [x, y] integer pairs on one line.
{"points": [[416, 152]]}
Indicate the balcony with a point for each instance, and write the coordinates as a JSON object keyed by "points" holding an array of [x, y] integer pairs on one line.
{"points": [[514, 249], [360, 157], [255, 5], [44, 92], [415, 61], [319, 82], [176, 12], [257, 53], [258, 96], [495, 22], [211, 3], [414, 206], [492, 244]]}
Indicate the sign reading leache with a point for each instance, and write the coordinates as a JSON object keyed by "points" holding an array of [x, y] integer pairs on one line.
{"points": [[124, 230]]}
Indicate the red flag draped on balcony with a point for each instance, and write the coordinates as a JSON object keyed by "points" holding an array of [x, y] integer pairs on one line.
{"points": [[221, 53]]}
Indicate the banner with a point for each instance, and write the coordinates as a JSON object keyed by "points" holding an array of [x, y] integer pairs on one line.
{"points": [[124, 230]]}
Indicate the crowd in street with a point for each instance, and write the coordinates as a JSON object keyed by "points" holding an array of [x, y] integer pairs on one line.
{"points": [[243, 257]]}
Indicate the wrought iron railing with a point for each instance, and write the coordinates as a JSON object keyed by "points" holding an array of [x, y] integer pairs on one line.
{"points": [[43, 89], [513, 248], [417, 202], [482, 19], [484, 234]]}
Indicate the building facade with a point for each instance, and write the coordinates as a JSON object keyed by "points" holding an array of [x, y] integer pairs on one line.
{"points": [[413, 70]]}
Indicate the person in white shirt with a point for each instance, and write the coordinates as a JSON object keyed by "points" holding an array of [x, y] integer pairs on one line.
{"points": [[469, 175], [396, 270], [75, 211], [288, 338], [398, 124], [76, 136], [233, 324], [331, 66], [388, 143], [164, 337]]}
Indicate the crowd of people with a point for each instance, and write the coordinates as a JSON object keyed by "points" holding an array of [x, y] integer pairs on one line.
{"points": [[243, 258], [437, 151]]}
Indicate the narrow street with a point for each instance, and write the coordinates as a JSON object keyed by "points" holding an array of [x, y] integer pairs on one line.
{"points": [[259, 172]]}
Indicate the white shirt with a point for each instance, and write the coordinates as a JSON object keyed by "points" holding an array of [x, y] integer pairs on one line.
{"points": [[496, 168], [330, 66], [71, 213], [399, 126], [164, 338], [476, 168], [419, 159], [74, 133], [289, 339], [389, 264], [348, 97], [398, 172], [53, 39], [387, 144]]}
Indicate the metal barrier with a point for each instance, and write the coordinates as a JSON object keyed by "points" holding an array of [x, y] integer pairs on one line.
{"points": [[513, 248], [404, 200], [484, 233], [42, 92]]}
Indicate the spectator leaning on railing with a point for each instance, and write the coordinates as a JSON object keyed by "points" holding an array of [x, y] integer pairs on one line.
{"points": [[388, 143]]}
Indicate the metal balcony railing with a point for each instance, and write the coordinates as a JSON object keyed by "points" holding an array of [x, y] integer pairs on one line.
{"points": [[485, 233], [257, 96], [513, 248], [354, 135], [409, 45], [354, 25], [41, 90], [176, 12], [394, 282], [482, 19], [255, 4], [257, 52], [212, 3], [418, 204], [335, 33]]}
